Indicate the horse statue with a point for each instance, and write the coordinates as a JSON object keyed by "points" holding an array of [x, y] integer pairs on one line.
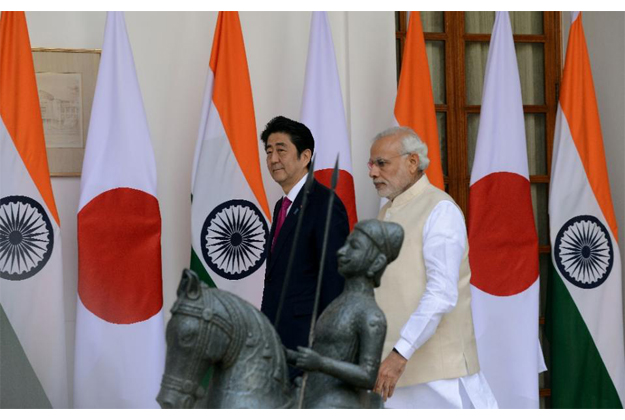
{"points": [[213, 328]]}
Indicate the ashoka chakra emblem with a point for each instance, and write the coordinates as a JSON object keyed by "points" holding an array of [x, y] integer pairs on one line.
{"points": [[233, 239], [583, 252], [26, 237]]}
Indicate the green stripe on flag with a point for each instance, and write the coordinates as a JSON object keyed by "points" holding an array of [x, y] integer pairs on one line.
{"points": [[19, 385], [198, 267], [579, 378]]}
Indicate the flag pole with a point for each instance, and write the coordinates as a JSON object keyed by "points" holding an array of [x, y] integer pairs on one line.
{"points": [[324, 248]]}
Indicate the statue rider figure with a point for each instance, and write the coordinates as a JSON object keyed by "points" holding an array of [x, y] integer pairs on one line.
{"points": [[349, 335]]}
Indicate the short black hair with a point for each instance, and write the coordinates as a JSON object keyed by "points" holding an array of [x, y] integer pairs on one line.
{"points": [[299, 134]]}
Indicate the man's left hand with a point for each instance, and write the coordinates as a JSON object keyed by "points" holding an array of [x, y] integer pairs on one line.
{"points": [[390, 371]]}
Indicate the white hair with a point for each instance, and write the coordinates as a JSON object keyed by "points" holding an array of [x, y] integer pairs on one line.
{"points": [[410, 142]]}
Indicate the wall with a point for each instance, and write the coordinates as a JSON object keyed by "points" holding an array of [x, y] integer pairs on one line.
{"points": [[171, 51]]}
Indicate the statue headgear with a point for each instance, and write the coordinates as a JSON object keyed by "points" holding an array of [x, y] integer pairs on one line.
{"points": [[386, 236]]}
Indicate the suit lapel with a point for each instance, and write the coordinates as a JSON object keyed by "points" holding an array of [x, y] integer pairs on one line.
{"points": [[276, 210], [287, 227]]}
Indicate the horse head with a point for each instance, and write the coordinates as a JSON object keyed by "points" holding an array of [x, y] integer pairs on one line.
{"points": [[198, 336], [212, 327]]}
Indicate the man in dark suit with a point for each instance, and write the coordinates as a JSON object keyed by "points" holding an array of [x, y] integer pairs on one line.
{"points": [[289, 146]]}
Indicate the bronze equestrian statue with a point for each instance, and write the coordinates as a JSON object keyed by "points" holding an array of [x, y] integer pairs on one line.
{"points": [[214, 328]]}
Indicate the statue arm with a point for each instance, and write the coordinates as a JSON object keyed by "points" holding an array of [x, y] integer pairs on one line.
{"points": [[350, 373], [362, 375], [291, 356]]}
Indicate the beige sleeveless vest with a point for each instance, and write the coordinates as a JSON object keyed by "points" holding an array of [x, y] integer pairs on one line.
{"points": [[451, 352]]}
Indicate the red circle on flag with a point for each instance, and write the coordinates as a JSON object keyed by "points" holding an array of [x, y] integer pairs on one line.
{"points": [[119, 256], [503, 245], [344, 189]]}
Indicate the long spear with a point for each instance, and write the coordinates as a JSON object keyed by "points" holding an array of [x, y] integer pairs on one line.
{"points": [[289, 267], [326, 233]]}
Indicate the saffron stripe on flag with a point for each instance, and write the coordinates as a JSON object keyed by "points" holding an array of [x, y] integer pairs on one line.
{"points": [[19, 103], [232, 81], [579, 104], [414, 106]]}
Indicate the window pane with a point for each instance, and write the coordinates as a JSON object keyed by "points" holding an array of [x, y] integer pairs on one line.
{"points": [[531, 62], [479, 22], [522, 22], [476, 54], [540, 201], [473, 121], [436, 61], [441, 122], [433, 21], [527, 23], [536, 145]]}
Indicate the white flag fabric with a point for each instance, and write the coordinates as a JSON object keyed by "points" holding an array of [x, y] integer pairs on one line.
{"points": [[323, 113], [503, 244], [229, 210], [31, 271], [120, 340]]}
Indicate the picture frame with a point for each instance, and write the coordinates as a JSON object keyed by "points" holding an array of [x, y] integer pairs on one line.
{"points": [[66, 80]]}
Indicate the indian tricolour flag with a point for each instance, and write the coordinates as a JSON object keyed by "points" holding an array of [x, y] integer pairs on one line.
{"points": [[120, 338], [586, 319], [33, 364], [503, 244], [229, 210], [323, 113]]}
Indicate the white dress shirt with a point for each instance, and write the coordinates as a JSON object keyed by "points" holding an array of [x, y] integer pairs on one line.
{"points": [[444, 239], [292, 195]]}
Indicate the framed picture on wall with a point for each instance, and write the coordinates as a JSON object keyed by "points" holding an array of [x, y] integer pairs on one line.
{"points": [[66, 81]]}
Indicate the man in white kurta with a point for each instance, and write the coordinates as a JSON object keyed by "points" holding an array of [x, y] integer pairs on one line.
{"points": [[430, 355]]}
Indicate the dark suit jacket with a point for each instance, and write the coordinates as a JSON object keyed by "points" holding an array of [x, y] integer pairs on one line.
{"points": [[300, 296]]}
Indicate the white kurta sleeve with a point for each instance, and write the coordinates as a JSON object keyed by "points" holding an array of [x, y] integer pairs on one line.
{"points": [[444, 241]]}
